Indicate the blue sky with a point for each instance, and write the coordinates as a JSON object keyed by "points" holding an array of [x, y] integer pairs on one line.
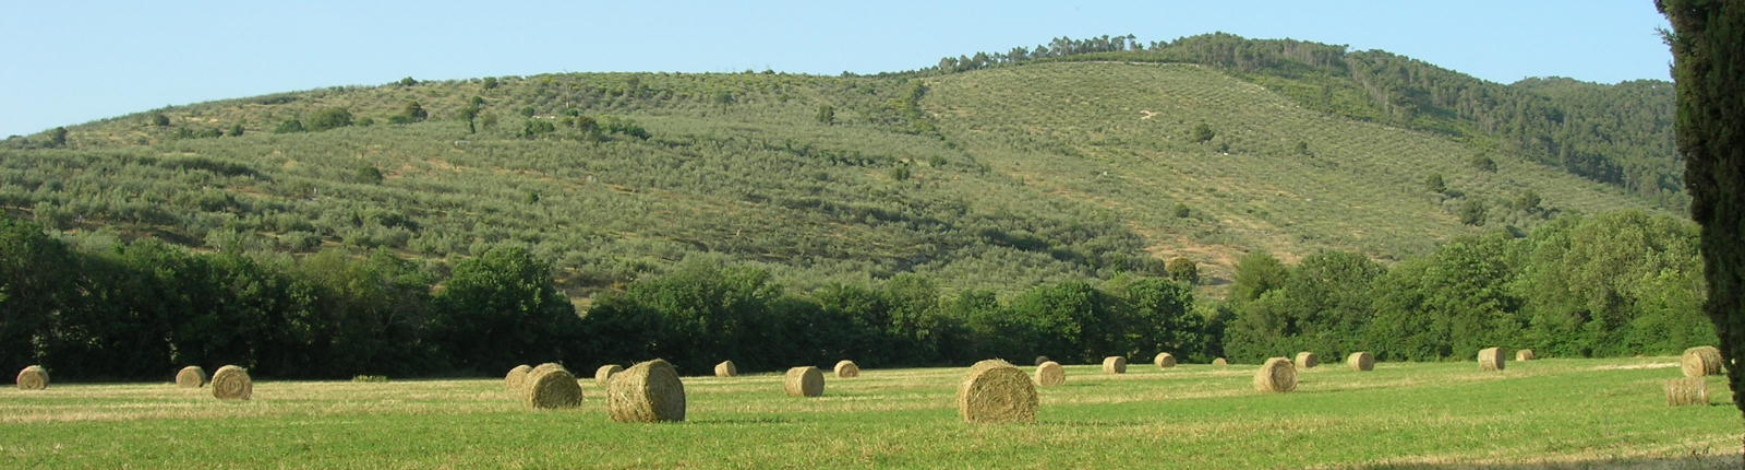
{"points": [[76, 61]]}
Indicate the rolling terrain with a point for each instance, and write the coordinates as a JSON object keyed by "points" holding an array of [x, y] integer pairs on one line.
{"points": [[999, 177]]}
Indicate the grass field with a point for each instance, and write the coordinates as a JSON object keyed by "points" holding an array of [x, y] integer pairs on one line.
{"points": [[1558, 413]]}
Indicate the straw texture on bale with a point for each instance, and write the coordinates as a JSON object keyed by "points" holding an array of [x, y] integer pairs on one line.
{"points": [[996, 392], [1164, 360], [1700, 361], [647, 392], [846, 369], [33, 378], [542, 368], [517, 377], [1220, 362], [1307, 360], [232, 383], [1050, 374], [1524, 355], [603, 375], [191, 377], [552, 388], [804, 381], [1276, 375], [1114, 365], [1361, 361], [1041, 359], [726, 369], [1687, 391], [1492, 359]]}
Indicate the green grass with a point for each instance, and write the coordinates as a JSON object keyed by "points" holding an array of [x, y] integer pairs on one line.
{"points": [[1553, 412]]}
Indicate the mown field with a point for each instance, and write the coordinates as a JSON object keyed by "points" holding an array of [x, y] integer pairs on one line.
{"points": [[1558, 413]]}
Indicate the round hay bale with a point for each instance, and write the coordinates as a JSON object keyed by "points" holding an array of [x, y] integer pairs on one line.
{"points": [[1700, 361], [1220, 362], [603, 375], [1276, 375], [845, 369], [552, 388], [191, 377], [996, 392], [1114, 365], [1687, 391], [33, 378], [647, 392], [1492, 359], [1041, 359], [1307, 360], [804, 381], [1164, 360], [549, 366], [232, 383], [1361, 361], [1524, 355], [724, 369], [517, 377], [1050, 374]]}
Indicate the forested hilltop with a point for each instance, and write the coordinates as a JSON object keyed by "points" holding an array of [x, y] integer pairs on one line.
{"points": [[1210, 196]]}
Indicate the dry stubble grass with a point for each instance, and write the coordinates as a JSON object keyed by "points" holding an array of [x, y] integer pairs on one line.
{"points": [[1195, 415]]}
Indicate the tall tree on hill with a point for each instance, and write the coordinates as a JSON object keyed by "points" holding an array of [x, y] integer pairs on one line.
{"points": [[1709, 68]]}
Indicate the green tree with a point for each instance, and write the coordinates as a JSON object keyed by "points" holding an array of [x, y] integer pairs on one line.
{"points": [[1257, 273], [502, 309], [1472, 212], [1484, 163], [36, 282], [1202, 133], [329, 118], [368, 175], [470, 114], [1162, 318], [490, 83], [1076, 320], [373, 312], [57, 137], [826, 115], [160, 120], [1184, 270], [1710, 78], [414, 112], [236, 130], [1435, 184], [1591, 282], [536, 128], [289, 126]]}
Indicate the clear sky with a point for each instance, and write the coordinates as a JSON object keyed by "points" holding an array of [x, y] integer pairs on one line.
{"points": [[69, 62]]}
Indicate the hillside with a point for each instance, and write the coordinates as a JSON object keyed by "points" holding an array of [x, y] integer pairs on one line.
{"points": [[997, 177]]}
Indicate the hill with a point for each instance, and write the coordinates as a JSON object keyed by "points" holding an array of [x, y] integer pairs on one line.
{"points": [[1000, 175]]}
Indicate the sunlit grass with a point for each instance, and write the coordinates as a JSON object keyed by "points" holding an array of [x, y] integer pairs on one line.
{"points": [[1553, 411]]}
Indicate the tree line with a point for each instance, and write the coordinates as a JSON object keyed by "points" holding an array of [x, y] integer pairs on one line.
{"points": [[1608, 285], [138, 310], [1615, 284]]}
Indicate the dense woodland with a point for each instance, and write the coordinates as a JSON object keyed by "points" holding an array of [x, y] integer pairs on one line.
{"points": [[1611, 285], [1305, 197]]}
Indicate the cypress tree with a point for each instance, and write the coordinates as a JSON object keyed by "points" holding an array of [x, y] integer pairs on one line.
{"points": [[1708, 49]]}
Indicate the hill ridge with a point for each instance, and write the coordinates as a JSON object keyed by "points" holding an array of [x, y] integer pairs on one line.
{"points": [[616, 175]]}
